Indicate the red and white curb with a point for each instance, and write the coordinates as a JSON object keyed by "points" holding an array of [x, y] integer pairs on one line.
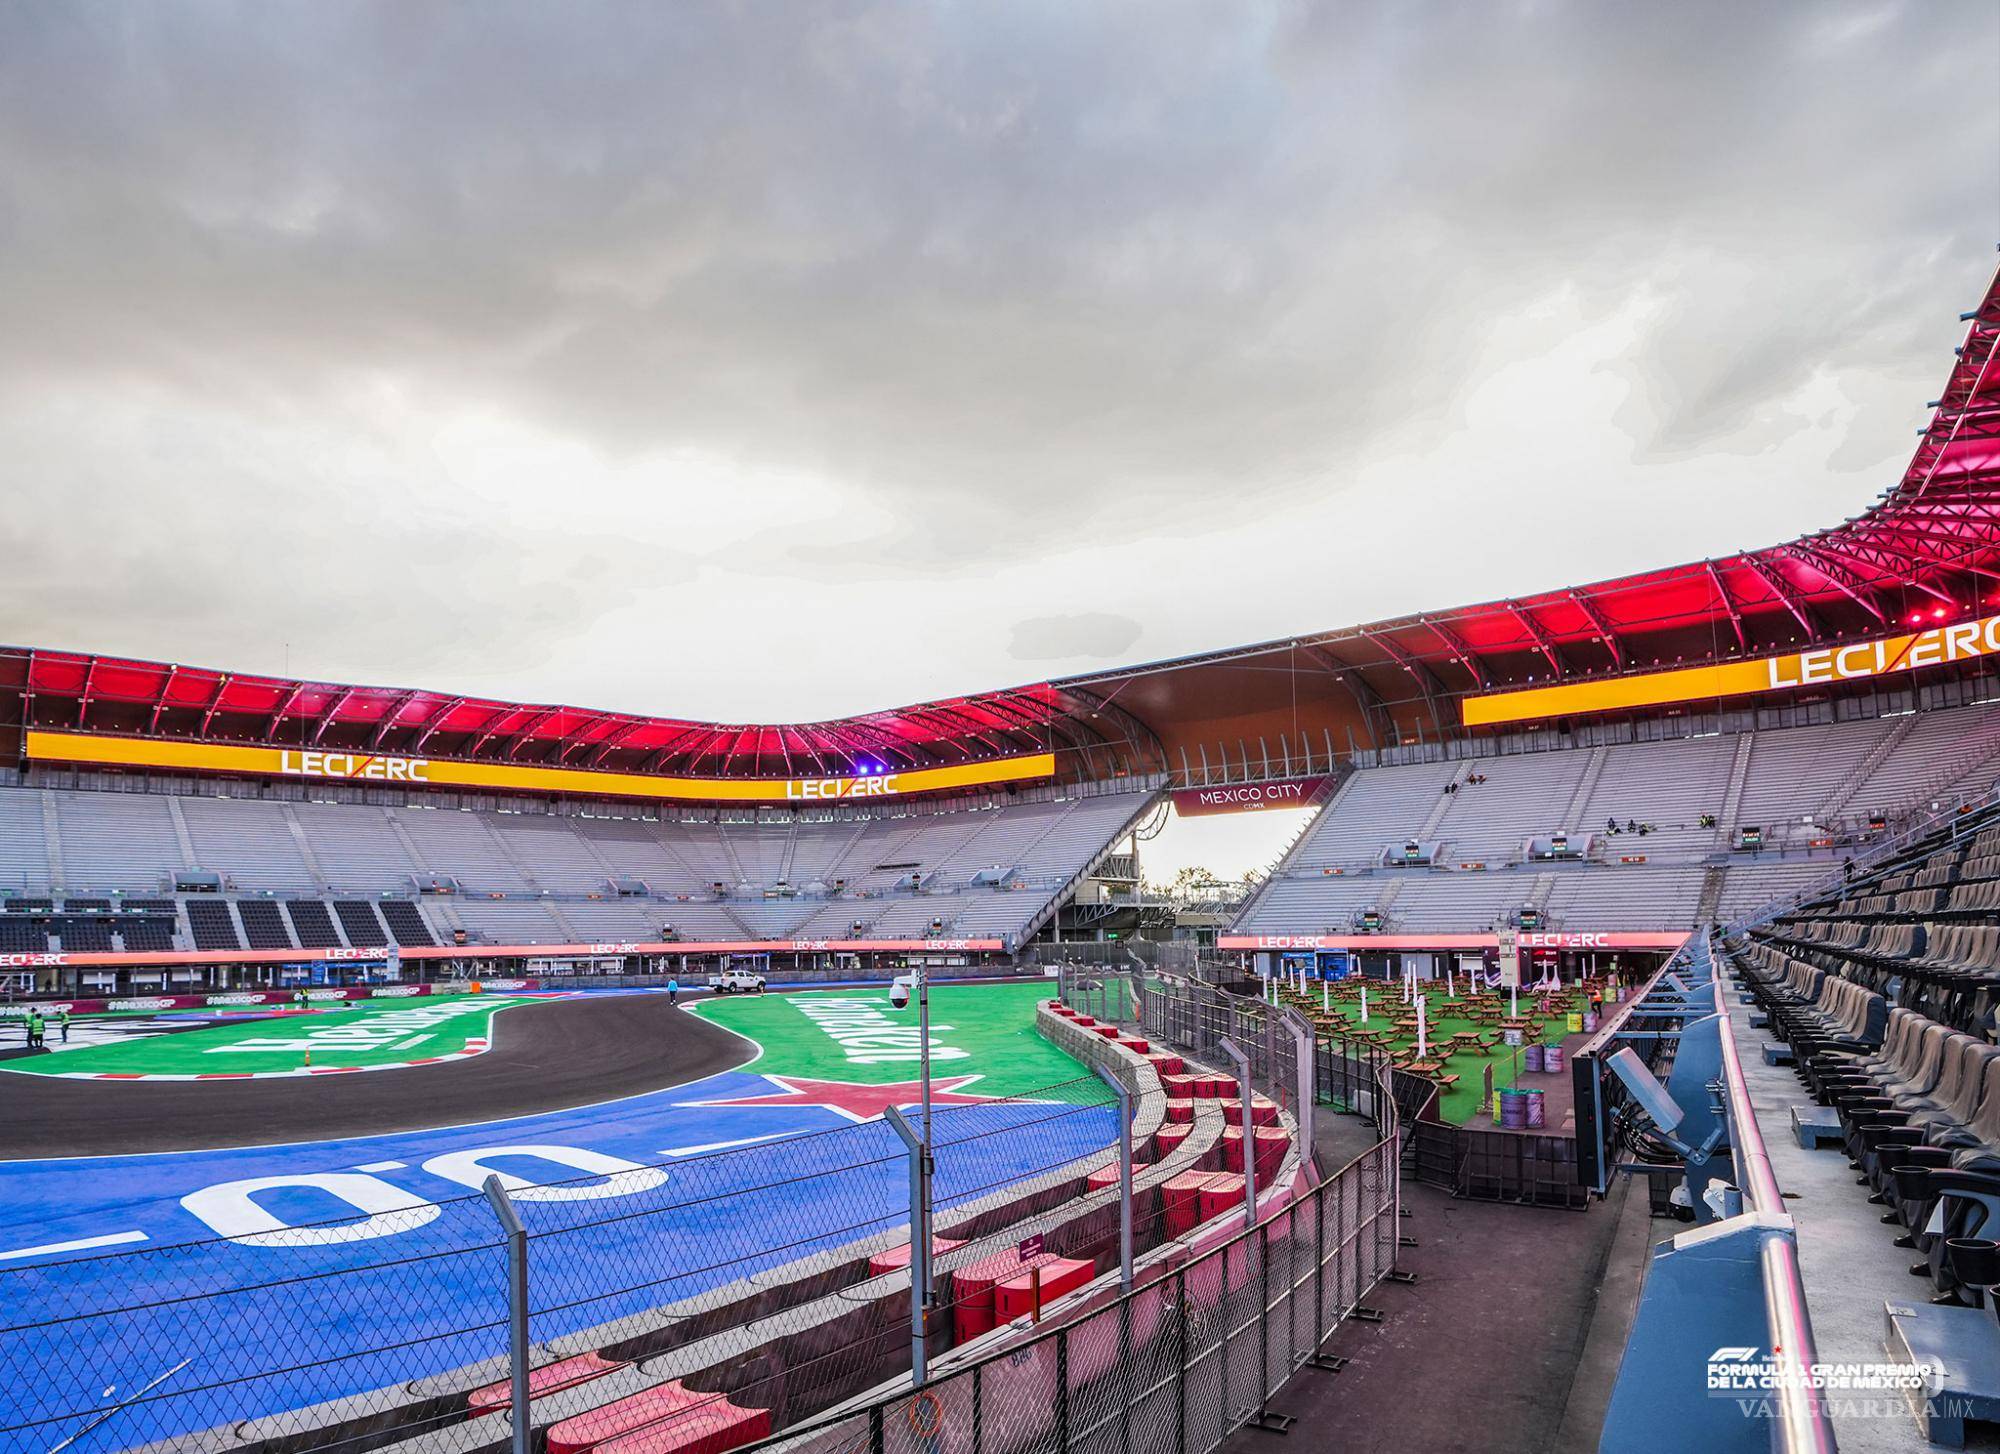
{"points": [[474, 1045]]}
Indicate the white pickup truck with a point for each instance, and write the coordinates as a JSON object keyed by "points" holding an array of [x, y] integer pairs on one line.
{"points": [[736, 982]]}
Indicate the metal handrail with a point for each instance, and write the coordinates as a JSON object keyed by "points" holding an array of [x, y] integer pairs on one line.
{"points": [[1802, 1425]]}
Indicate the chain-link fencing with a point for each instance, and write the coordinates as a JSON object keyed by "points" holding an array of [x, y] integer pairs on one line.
{"points": [[390, 1323], [1192, 1354]]}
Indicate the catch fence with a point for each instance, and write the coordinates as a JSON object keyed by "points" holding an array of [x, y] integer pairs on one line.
{"points": [[1201, 1343], [742, 1276]]}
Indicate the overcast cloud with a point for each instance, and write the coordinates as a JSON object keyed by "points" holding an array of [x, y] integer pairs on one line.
{"points": [[781, 361]]}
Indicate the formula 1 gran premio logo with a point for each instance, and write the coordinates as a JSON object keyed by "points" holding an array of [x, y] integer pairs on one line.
{"points": [[1759, 1382]]}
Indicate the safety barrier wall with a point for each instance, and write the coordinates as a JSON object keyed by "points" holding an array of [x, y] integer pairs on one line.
{"points": [[1733, 1281]]}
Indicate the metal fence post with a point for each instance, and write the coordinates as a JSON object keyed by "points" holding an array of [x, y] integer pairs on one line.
{"points": [[1125, 1373], [1062, 1390], [920, 1245], [1180, 1377], [1319, 1264], [520, 1414], [1124, 1177], [1305, 1073], [1263, 1323], [1222, 1349]]}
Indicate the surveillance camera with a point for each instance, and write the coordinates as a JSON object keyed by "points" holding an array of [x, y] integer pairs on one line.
{"points": [[899, 993]]}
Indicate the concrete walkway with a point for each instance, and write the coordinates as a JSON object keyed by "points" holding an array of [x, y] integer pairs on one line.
{"points": [[1846, 1258]]}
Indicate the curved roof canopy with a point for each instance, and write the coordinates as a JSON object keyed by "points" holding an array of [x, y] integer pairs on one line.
{"points": [[1927, 550], [78, 691]]}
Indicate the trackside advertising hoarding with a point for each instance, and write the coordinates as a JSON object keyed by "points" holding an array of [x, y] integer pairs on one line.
{"points": [[106, 959], [1855, 661], [1568, 939], [87, 749]]}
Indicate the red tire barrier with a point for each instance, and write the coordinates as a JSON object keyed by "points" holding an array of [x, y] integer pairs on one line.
{"points": [[1262, 1112], [974, 1289], [1167, 1140], [1182, 1198], [1106, 1177], [1272, 1144], [1015, 1298], [1221, 1193], [669, 1419], [1178, 1087], [898, 1257], [1166, 1064], [549, 1378], [1180, 1111]]}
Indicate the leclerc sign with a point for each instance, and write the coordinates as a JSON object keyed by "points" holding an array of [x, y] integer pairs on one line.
{"points": [[1855, 661], [1246, 797], [89, 749]]}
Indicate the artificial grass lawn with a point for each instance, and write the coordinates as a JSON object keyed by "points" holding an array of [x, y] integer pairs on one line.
{"points": [[363, 1033], [855, 1035], [1458, 1103]]}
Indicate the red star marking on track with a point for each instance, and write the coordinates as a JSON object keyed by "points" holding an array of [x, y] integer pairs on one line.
{"points": [[855, 1100]]}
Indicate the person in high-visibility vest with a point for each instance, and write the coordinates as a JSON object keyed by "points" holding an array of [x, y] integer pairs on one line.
{"points": [[34, 1029], [62, 1019]]}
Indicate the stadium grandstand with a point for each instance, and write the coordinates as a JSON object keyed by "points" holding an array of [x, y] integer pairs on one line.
{"points": [[1641, 754], [1605, 800]]}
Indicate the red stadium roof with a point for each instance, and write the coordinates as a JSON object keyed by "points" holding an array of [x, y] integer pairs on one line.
{"points": [[148, 698], [1927, 550]]}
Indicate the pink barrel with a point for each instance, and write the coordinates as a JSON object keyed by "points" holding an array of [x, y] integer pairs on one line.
{"points": [[1552, 1059], [1537, 1111]]}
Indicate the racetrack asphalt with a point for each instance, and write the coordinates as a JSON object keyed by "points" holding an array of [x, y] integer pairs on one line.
{"points": [[546, 1056]]}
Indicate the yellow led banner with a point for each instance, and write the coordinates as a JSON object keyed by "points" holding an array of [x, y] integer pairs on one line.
{"points": [[439, 772], [1960, 641]]}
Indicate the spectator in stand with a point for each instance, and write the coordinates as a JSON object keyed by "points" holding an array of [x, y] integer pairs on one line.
{"points": [[1611, 825]]}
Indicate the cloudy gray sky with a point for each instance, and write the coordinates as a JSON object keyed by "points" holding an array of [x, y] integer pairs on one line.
{"points": [[772, 361]]}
